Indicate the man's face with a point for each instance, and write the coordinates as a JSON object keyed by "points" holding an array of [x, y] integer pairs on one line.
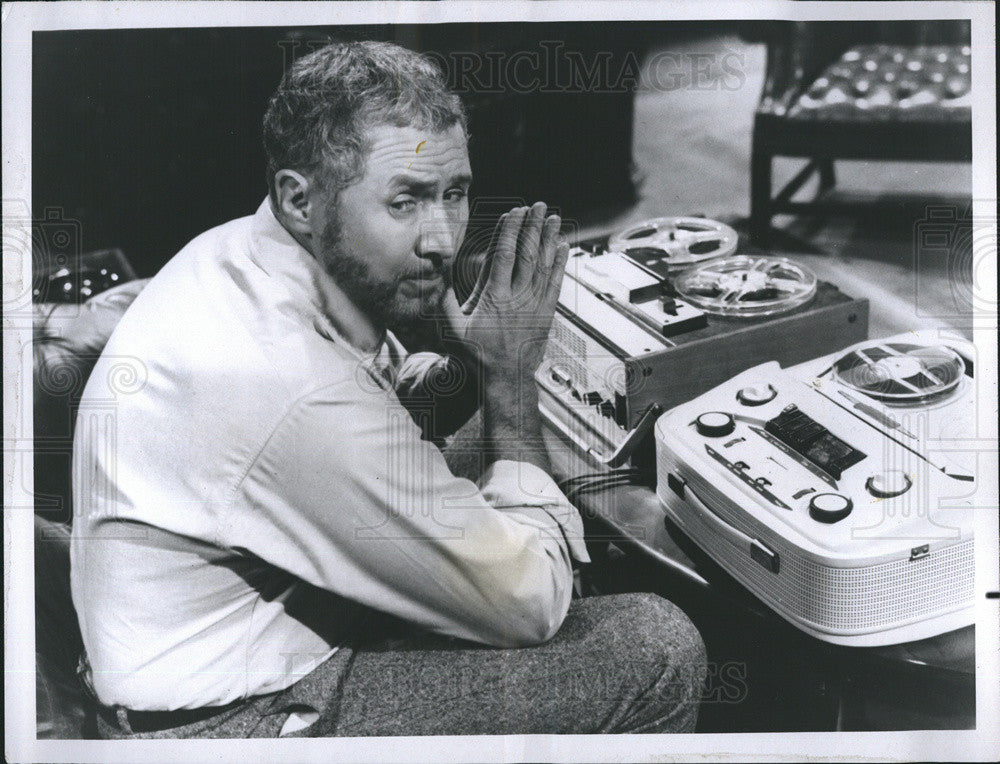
{"points": [[389, 239]]}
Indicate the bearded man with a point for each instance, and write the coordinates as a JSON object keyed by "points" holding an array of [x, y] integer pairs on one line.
{"points": [[265, 541]]}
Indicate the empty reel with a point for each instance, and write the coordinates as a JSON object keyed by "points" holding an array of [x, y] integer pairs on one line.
{"points": [[747, 286], [676, 243], [901, 373]]}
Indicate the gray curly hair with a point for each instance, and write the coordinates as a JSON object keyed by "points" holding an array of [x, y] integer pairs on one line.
{"points": [[316, 119]]}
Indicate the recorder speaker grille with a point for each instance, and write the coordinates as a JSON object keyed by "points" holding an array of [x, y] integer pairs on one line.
{"points": [[570, 344], [571, 352], [857, 599]]}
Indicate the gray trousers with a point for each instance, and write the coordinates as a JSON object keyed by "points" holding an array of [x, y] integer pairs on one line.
{"points": [[620, 663]]}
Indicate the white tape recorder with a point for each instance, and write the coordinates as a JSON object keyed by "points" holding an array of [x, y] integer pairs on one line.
{"points": [[828, 489], [666, 310]]}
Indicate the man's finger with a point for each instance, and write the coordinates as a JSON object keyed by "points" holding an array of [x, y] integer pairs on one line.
{"points": [[546, 254], [547, 249], [556, 275], [484, 269], [502, 265], [527, 247]]}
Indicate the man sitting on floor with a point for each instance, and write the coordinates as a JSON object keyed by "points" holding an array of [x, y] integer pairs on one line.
{"points": [[265, 541]]}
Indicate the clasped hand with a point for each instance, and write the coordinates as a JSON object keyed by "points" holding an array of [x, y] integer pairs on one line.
{"points": [[509, 312]]}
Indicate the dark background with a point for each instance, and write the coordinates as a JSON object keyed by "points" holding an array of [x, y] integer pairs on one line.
{"points": [[148, 137]]}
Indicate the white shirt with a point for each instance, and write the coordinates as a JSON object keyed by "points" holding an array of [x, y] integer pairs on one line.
{"points": [[247, 485]]}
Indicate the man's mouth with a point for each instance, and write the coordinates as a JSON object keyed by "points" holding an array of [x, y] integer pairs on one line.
{"points": [[432, 268], [425, 283], [428, 274]]}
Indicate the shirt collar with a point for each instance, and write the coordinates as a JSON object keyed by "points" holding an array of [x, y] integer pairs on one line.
{"points": [[278, 254]]}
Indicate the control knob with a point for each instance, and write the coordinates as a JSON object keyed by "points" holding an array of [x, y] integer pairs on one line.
{"points": [[887, 484], [756, 395], [829, 507], [715, 424]]}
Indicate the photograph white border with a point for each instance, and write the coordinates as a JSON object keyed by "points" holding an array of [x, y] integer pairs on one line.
{"points": [[21, 19]]}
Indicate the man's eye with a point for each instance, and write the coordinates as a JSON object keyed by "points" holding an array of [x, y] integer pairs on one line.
{"points": [[403, 204], [455, 195]]}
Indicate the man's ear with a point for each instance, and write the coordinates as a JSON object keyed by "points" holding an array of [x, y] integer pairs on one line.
{"points": [[295, 202]]}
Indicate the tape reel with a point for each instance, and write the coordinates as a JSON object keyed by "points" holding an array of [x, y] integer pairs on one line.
{"points": [[676, 242], [900, 373], [747, 286]]}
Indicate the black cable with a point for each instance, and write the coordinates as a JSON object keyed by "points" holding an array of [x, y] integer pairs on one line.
{"points": [[603, 482], [570, 482]]}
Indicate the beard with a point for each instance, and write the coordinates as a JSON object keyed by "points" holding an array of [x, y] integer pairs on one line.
{"points": [[386, 301]]}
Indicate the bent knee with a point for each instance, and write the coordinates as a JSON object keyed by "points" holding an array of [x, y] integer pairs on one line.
{"points": [[653, 655], [653, 630]]}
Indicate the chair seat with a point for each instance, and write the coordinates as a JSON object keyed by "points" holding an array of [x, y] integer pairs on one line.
{"points": [[896, 91], [890, 83]]}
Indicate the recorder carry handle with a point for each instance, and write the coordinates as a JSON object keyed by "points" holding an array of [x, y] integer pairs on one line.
{"points": [[757, 549]]}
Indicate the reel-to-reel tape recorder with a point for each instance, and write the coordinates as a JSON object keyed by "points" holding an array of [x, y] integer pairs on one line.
{"points": [[670, 308], [831, 489]]}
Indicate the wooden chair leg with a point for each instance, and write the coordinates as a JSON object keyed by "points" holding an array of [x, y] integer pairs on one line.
{"points": [[760, 194]]}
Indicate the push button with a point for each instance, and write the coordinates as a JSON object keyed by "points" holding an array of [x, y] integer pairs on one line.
{"points": [[560, 374], [888, 484], [715, 424], [829, 507], [756, 395]]}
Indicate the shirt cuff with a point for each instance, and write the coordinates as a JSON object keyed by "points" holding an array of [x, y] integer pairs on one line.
{"points": [[508, 484]]}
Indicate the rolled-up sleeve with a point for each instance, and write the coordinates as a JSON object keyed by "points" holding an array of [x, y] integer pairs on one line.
{"points": [[347, 496]]}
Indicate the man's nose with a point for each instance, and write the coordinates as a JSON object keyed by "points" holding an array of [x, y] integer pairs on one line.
{"points": [[438, 236]]}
